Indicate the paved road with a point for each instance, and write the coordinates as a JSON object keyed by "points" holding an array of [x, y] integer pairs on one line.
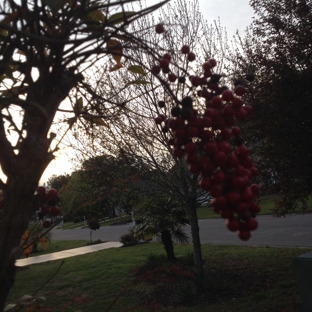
{"points": [[293, 231]]}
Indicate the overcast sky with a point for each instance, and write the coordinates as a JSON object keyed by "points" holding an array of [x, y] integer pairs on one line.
{"points": [[234, 15]]}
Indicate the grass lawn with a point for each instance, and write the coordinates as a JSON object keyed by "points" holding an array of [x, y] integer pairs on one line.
{"points": [[266, 203], [71, 225], [237, 279]]}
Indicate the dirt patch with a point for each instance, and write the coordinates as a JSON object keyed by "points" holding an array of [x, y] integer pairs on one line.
{"points": [[177, 284]]}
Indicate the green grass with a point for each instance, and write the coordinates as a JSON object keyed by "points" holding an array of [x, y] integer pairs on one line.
{"points": [[91, 282], [266, 203], [71, 225]]}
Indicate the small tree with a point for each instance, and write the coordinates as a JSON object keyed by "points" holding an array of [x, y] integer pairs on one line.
{"points": [[158, 215], [93, 226]]}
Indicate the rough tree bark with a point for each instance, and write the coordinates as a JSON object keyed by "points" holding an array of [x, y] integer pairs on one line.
{"points": [[190, 208], [23, 171]]}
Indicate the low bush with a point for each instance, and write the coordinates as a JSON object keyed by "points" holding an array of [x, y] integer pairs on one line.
{"points": [[128, 239], [76, 219]]}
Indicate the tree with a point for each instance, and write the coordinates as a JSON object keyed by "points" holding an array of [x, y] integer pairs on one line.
{"points": [[58, 182], [46, 48], [137, 134], [277, 49], [190, 143], [160, 216]]}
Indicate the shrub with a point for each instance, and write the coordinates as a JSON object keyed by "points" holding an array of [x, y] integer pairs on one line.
{"points": [[128, 239], [76, 219], [93, 224]]}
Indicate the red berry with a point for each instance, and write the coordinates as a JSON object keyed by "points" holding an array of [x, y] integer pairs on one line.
{"points": [[159, 28], [191, 158], [254, 171], [224, 146], [191, 56], [180, 133], [192, 132], [55, 211], [167, 56], [242, 208], [46, 224], [177, 152], [233, 224], [205, 184], [218, 202], [244, 235], [206, 122], [251, 224], [185, 49], [254, 207], [218, 177], [158, 120], [190, 147], [241, 114], [242, 151], [172, 77], [216, 190], [240, 90], [220, 158], [212, 62], [247, 195], [41, 190], [45, 209], [155, 70], [237, 103], [194, 168], [248, 109], [216, 102], [227, 95], [207, 66], [52, 193], [233, 198], [164, 63], [232, 160], [236, 131]]}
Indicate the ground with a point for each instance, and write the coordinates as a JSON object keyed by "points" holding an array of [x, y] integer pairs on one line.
{"points": [[177, 284]]}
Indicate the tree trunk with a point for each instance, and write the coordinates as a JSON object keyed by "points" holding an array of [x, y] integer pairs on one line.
{"points": [[192, 215], [168, 245], [13, 223]]}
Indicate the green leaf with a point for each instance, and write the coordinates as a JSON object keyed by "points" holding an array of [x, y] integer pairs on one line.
{"points": [[115, 48], [115, 67], [95, 120], [100, 122], [78, 105], [120, 17], [96, 16], [55, 5], [137, 69], [139, 82], [10, 307], [71, 121]]}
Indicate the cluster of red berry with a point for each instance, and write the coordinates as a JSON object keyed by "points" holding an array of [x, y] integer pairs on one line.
{"points": [[212, 144], [48, 200]]}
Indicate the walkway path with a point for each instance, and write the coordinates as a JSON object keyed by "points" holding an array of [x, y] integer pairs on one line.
{"points": [[67, 253]]}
